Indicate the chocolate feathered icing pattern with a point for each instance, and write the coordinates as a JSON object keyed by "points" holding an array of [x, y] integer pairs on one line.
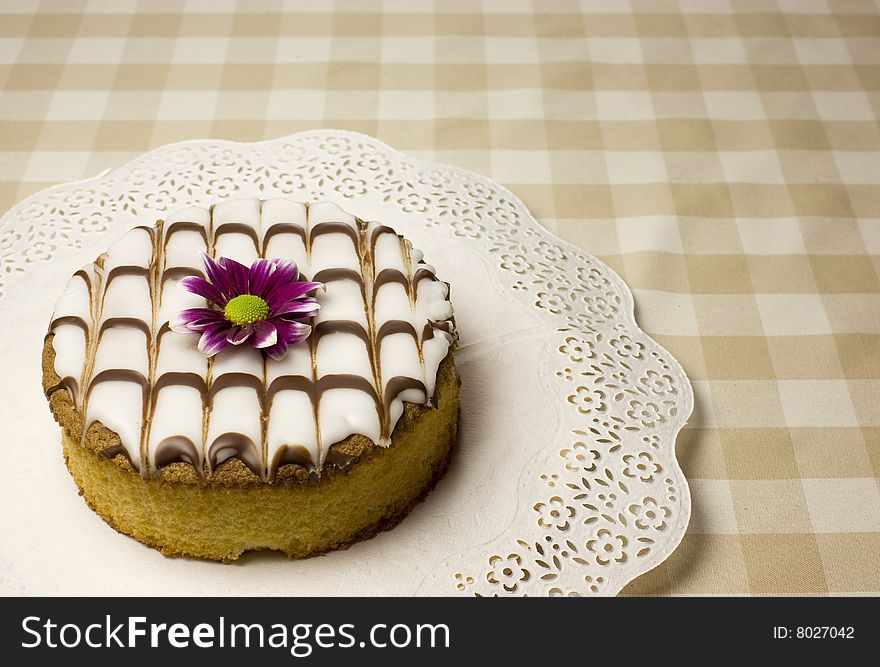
{"points": [[384, 326]]}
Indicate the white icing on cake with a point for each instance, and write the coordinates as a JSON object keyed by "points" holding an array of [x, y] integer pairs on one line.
{"points": [[384, 327]]}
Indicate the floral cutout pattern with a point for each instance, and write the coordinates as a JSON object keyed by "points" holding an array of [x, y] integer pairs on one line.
{"points": [[607, 504]]}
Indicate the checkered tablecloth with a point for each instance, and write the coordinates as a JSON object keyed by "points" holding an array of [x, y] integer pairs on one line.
{"points": [[722, 156]]}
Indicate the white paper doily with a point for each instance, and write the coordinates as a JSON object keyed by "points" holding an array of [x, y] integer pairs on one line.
{"points": [[565, 479]]}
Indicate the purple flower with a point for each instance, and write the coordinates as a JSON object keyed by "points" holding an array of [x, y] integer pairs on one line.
{"points": [[265, 305]]}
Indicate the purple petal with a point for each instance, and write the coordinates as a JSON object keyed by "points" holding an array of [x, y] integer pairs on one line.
{"points": [[309, 285], [299, 334], [288, 267], [237, 335], [238, 275], [289, 333], [292, 318], [265, 334], [200, 286], [304, 307], [218, 276], [283, 272], [292, 332], [284, 294], [213, 339], [278, 350], [195, 319], [258, 274]]}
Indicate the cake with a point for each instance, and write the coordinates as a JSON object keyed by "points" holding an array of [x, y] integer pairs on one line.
{"points": [[236, 432]]}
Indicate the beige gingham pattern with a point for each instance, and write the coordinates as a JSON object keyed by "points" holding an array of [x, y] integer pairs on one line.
{"points": [[722, 156]]}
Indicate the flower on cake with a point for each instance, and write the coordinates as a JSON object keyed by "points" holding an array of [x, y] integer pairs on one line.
{"points": [[267, 306]]}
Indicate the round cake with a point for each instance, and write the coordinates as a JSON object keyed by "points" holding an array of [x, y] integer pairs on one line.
{"points": [[254, 375]]}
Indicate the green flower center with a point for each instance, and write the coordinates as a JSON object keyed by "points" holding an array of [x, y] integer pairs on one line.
{"points": [[246, 309]]}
